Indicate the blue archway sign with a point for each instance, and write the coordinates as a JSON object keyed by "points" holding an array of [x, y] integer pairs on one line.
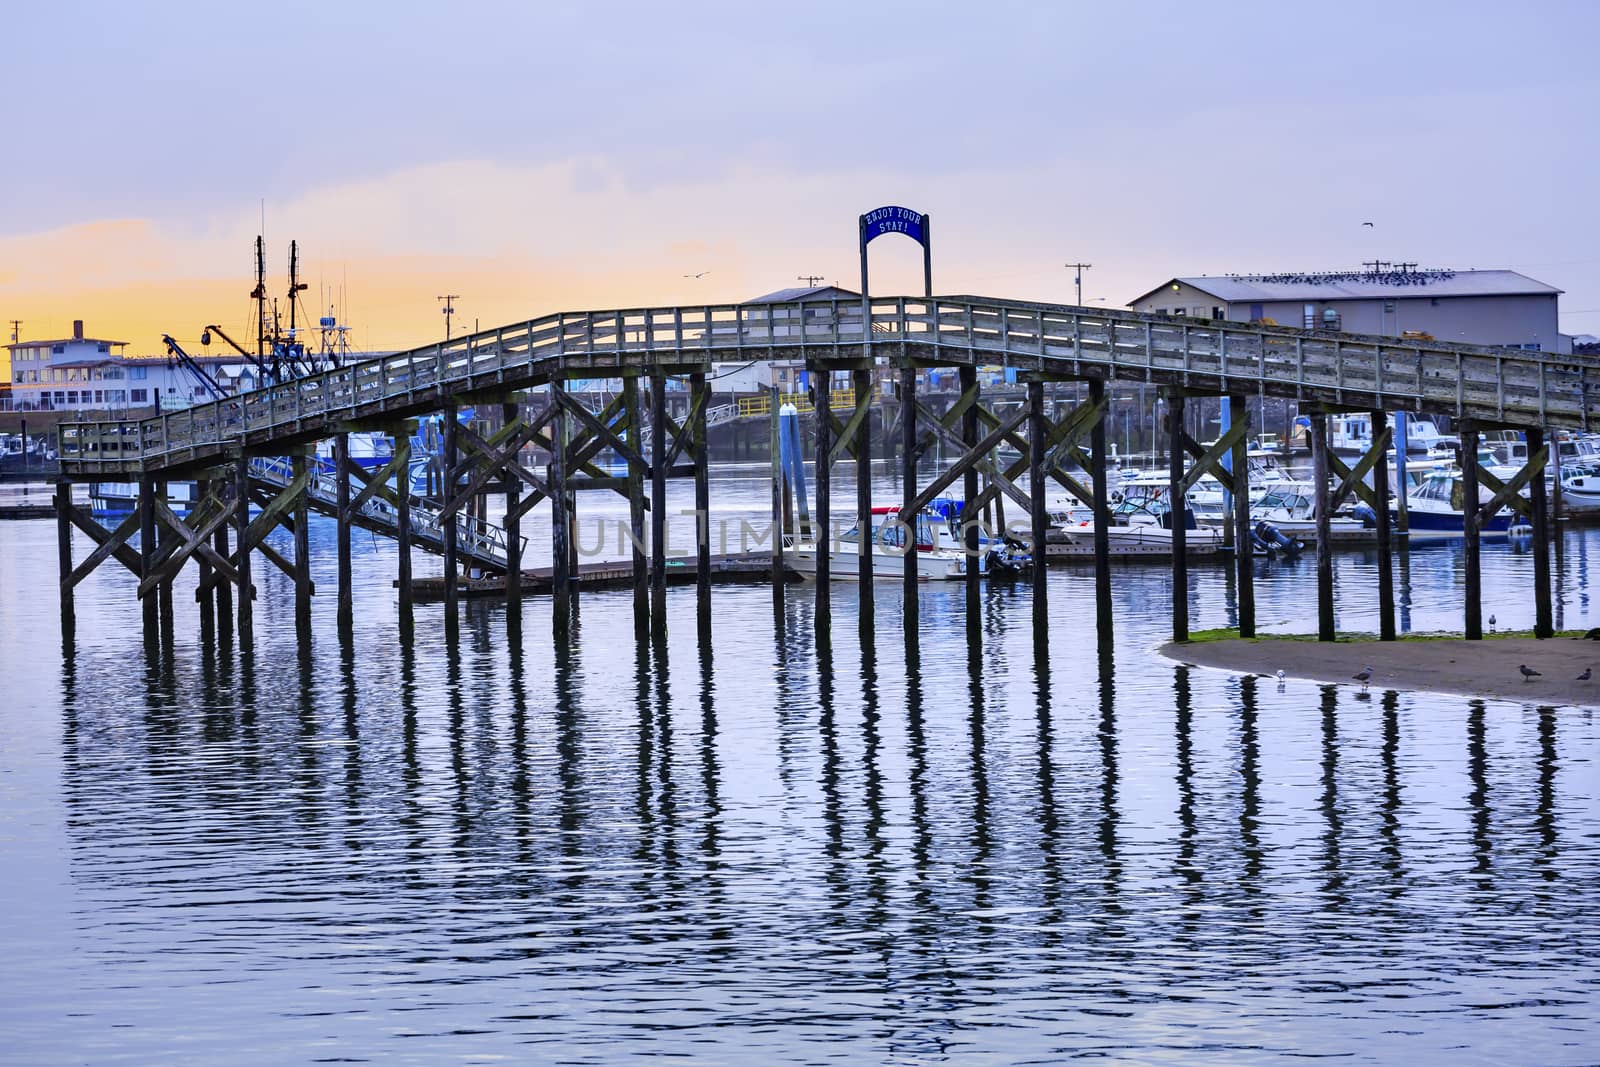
{"points": [[893, 219]]}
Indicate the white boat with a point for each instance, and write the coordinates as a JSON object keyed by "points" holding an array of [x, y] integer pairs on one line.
{"points": [[1434, 509], [940, 557]]}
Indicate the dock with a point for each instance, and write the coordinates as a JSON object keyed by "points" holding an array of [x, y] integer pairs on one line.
{"points": [[732, 569]]}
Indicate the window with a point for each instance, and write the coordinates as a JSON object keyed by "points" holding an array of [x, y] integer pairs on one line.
{"points": [[99, 397], [138, 374], [72, 396], [1181, 311], [104, 347], [141, 396], [59, 350]]}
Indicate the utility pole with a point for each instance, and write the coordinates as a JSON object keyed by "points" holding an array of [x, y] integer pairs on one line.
{"points": [[16, 330], [1077, 278], [811, 280], [449, 310]]}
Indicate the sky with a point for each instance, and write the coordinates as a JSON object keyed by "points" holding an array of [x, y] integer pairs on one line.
{"points": [[542, 157]]}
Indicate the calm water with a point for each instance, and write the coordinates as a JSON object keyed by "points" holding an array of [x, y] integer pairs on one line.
{"points": [[770, 849]]}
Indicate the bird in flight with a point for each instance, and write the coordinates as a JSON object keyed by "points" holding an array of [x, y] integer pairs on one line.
{"points": [[1528, 673], [1364, 677], [1588, 672], [702, 274], [1369, 224]]}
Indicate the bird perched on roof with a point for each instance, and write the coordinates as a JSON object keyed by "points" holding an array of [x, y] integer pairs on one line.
{"points": [[1528, 673], [1588, 672], [1364, 677]]}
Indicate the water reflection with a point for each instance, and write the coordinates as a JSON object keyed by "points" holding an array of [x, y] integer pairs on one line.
{"points": [[980, 840]]}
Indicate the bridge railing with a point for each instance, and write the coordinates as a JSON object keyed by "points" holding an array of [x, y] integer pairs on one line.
{"points": [[1463, 380]]}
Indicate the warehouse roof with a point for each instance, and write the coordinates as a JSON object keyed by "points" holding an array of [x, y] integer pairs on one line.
{"points": [[1361, 285]]}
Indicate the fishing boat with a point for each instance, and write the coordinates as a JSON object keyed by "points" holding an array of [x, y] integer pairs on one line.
{"points": [[1434, 509]]}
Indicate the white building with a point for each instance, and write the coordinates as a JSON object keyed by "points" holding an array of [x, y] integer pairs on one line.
{"points": [[81, 373], [1487, 307]]}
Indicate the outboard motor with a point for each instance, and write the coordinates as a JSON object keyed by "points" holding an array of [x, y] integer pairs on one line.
{"points": [[1275, 539]]}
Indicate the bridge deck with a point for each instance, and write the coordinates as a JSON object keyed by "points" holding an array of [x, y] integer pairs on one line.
{"points": [[1463, 381]]}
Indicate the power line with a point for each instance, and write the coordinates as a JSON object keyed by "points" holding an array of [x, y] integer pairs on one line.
{"points": [[1077, 278], [811, 280]]}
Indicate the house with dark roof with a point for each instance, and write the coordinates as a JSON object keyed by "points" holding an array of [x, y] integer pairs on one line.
{"points": [[1487, 307]]}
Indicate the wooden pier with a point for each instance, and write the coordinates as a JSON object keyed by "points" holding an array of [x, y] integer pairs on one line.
{"points": [[524, 368]]}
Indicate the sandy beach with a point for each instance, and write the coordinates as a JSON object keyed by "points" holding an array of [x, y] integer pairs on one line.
{"points": [[1444, 665]]}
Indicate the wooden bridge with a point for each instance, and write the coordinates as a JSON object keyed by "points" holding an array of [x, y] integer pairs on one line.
{"points": [[524, 367]]}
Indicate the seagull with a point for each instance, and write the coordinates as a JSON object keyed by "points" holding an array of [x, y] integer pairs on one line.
{"points": [[1528, 673], [1280, 676], [1588, 672], [702, 274], [1364, 677], [1369, 224], [1491, 624]]}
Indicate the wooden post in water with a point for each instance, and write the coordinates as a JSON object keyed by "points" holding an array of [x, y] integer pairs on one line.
{"points": [[400, 445], [1243, 540], [862, 379], [560, 551], [241, 519], [658, 500], [967, 377], [700, 400], [1038, 431], [510, 410], [1380, 487], [908, 486], [1177, 518], [779, 572], [447, 488], [1324, 507], [821, 397], [302, 546], [1473, 602], [633, 413], [64, 550], [1102, 516], [341, 476], [147, 552], [164, 535], [224, 590], [1543, 626], [205, 489]]}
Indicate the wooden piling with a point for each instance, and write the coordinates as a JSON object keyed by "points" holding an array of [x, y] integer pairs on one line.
{"points": [[64, 549], [400, 445], [967, 377], [560, 551], [341, 477], [908, 486], [1243, 541], [447, 488], [241, 518], [1543, 624], [1472, 603], [1380, 486], [821, 395], [510, 411], [302, 545], [1324, 508], [224, 590], [633, 413], [147, 552], [1177, 516], [862, 380], [164, 535], [778, 529], [1038, 430], [658, 499], [205, 489], [700, 401], [1102, 516]]}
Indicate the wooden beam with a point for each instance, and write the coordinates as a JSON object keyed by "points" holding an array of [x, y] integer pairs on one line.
{"points": [[194, 542], [1510, 492], [1358, 475], [107, 545]]}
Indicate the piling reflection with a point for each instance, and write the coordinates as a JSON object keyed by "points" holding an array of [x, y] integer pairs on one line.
{"points": [[1187, 867], [1389, 830], [1478, 795], [1250, 844], [1333, 886]]}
